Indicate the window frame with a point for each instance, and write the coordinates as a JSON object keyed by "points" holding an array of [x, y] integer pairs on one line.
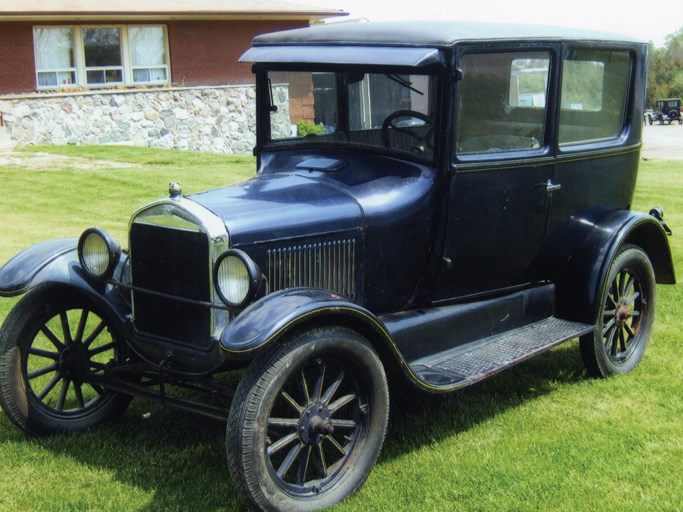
{"points": [[623, 124], [123, 34], [265, 142], [129, 60], [554, 53], [127, 69], [56, 71]]}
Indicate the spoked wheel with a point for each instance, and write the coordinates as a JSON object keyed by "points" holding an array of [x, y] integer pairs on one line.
{"points": [[308, 421], [627, 315], [51, 344]]}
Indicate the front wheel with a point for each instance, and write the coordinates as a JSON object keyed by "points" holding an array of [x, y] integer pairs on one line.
{"points": [[308, 421], [626, 316], [51, 343]]}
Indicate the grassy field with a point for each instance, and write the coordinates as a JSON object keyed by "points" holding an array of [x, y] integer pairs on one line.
{"points": [[542, 436]]}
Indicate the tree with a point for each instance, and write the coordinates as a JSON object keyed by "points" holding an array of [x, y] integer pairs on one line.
{"points": [[665, 73]]}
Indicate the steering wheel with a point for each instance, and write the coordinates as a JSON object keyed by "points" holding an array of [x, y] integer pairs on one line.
{"points": [[422, 142]]}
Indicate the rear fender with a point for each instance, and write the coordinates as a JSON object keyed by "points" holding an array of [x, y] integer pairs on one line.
{"points": [[580, 284]]}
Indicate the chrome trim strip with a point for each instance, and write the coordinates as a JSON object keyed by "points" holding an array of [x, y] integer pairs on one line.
{"points": [[214, 225]]}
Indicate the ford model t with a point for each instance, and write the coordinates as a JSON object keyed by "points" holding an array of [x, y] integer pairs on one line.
{"points": [[433, 202], [668, 110]]}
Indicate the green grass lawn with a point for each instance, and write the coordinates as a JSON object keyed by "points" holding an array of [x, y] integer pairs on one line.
{"points": [[542, 436]]}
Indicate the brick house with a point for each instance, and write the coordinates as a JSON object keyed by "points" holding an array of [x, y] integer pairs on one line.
{"points": [[67, 58]]}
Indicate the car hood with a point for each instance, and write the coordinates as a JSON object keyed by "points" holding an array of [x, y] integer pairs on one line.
{"points": [[281, 206]]}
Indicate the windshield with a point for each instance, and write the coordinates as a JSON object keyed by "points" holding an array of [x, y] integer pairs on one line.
{"points": [[384, 110]]}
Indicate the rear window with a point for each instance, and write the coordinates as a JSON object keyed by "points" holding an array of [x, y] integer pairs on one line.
{"points": [[594, 95]]}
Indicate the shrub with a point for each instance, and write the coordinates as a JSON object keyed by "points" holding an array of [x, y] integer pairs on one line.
{"points": [[304, 128]]}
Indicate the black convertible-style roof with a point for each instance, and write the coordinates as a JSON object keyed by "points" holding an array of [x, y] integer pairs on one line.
{"points": [[434, 34]]}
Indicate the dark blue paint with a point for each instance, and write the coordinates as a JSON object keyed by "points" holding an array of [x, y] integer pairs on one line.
{"points": [[277, 313], [591, 241], [17, 275], [391, 203]]}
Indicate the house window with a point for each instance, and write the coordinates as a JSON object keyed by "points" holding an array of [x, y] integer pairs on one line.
{"points": [[148, 54], [102, 49], [97, 56], [55, 60]]}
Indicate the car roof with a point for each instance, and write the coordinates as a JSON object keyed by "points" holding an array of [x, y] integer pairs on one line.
{"points": [[434, 34]]}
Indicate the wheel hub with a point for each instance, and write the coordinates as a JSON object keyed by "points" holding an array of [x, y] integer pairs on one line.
{"points": [[315, 424], [623, 313], [74, 362]]}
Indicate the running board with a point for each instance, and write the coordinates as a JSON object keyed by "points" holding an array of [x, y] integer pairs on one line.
{"points": [[472, 362]]}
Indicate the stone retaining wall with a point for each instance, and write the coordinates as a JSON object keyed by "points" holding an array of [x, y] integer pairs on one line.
{"points": [[215, 119]]}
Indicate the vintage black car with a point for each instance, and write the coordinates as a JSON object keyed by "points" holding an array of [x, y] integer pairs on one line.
{"points": [[668, 110], [434, 202]]}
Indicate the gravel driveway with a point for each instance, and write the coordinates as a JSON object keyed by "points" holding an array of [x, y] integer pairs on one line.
{"points": [[662, 142]]}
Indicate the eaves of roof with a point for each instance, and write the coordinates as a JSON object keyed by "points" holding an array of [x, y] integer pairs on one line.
{"points": [[84, 10]]}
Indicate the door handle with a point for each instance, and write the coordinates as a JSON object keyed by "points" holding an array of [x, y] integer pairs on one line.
{"points": [[552, 187]]}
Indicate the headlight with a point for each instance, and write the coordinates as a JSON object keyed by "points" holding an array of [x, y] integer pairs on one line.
{"points": [[237, 278], [98, 253]]}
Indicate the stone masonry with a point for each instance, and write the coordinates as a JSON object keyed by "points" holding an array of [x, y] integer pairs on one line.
{"points": [[214, 119]]}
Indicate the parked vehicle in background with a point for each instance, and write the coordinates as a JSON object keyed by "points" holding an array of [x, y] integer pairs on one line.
{"points": [[433, 203], [648, 116], [668, 110]]}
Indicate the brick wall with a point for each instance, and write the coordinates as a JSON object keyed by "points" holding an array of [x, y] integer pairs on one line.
{"points": [[17, 65], [301, 104], [206, 52], [202, 52]]}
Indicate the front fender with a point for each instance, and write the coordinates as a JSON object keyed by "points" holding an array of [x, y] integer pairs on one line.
{"points": [[56, 262], [579, 285], [278, 313], [46, 261]]}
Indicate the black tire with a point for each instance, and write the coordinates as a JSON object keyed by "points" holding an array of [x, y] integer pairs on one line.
{"points": [[627, 306], [50, 343], [308, 421]]}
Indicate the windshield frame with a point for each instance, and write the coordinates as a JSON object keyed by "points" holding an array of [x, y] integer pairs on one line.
{"points": [[263, 90]]}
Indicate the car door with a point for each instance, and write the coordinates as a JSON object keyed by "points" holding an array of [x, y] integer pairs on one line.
{"points": [[598, 144], [500, 182]]}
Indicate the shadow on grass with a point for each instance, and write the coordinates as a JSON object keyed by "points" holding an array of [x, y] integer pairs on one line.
{"points": [[180, 458], [421, 419]]}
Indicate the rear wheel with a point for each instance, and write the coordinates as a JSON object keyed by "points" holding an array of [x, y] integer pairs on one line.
{"points": [[51, 344], [623, 327], [308, 421]]}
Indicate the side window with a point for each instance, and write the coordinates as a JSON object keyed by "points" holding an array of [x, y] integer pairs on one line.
{"points": [[502, 102], [594, 94]]}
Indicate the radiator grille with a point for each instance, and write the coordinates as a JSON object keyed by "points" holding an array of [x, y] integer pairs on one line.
{"points": [[327, 265], [173, 262]]}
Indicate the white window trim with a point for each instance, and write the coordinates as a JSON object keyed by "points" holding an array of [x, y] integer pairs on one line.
{"points": [[73, 70], [123, 34], [126, 59]]}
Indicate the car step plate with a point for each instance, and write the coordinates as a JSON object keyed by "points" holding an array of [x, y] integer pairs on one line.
{"points": [[470, 363]]}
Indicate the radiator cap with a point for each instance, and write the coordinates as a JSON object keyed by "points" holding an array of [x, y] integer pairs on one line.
{"points": [[175, 190]]}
